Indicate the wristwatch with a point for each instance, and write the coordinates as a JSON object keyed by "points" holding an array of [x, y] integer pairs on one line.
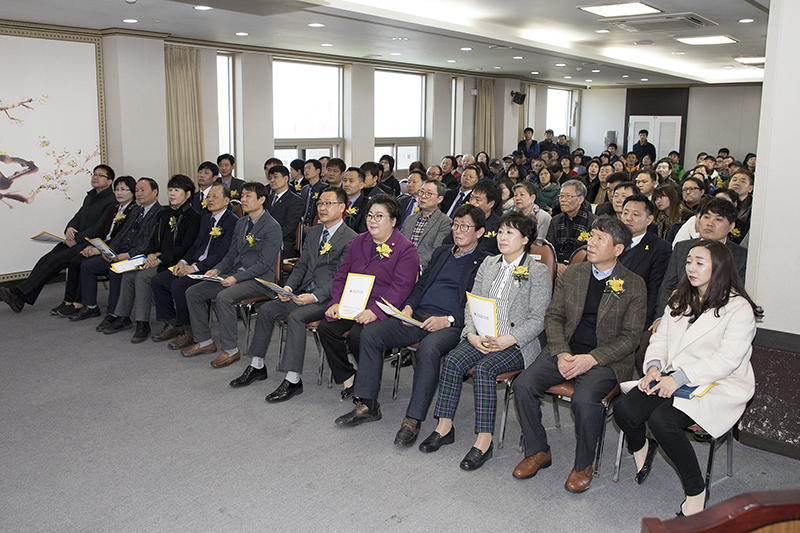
{"points": [[452, 320]]}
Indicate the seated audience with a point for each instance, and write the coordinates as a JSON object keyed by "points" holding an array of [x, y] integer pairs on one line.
{"points": [[353, 185], [335, 172], [454, 198], [741, 184], [437, 300], [427, 228], [506, 186], [310, 282], [621, 192], [598, 189], [409, 204], [525, 204], [647, 182], [206, 176], [372, 180], [310, 193], [569, 229], [449, 164], [706, 340], [296, 172], [521, 287], [593, 327], [254, 250], [632, 165], [547, 191], [82, 225], [387, 178], [562, 147], [693, 190], [285, 207], [668, 209], [382, 252], [226, 164]]}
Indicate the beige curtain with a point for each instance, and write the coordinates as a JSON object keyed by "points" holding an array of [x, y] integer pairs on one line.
{"points": [[184, 110], [484, 117]]}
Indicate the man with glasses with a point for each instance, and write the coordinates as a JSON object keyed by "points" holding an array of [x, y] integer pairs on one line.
{"points": [[310, 281], [569, 230], [84, 224], [435, 173], [437, 300], [692, 191], [409, 204], [427, 229]]}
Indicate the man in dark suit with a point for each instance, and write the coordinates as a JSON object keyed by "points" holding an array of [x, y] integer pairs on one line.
{"points": [[437, 300], [649, 254], [486, 196], [206, 175], [169, 287], [356, 208], [226, 164], [286, 208], [409, 203], [297, 181], [593, 326], [131, 241], [717, 219], [449, 164], [454, 198], [547, 144], [88, 217], [310, 281], [254, 251], [310, 193]]}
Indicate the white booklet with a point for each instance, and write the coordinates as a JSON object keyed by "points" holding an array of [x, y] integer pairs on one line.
{"points": [[355, 295], [277, 289], [484, 314], [391, 310], [133, 263], [47, 237], [203, 277], [102, 247]]}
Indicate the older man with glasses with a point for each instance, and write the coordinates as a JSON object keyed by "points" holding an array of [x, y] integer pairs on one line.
{"points": [[569, 230]]}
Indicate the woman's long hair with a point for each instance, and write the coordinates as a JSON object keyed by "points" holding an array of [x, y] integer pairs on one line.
{"points": [[725, 281], [674, 211]]}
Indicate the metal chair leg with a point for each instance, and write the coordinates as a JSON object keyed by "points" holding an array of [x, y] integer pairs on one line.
{"points": [[504, 416], [521, 448], [729, 436], [710, 467], [399, 360], [321, 357], [247, 313], [618, 460], [601, 441], [555, 412], [282, 329]]}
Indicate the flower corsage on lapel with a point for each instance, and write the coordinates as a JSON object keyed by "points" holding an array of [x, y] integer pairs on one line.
{"points": [[234, 194], [204, 204], [326, 249], [298, 187], [735, 233], [350, 213], [383, 251], [215, 232], [489, 234], [119, 218], [614, 286], [520, 274], [584, 236], [316, 196], [251, 239], [173, 224]]}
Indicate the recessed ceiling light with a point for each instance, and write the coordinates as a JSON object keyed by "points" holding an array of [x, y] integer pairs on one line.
{"points": [[643, 43], [326, 44], [535, 72], [728, 66], [602, 31], [451, 60], [567, 77], [499, 47], [645, 79], [242, 33], [678, 53], [497, 68], [203, 8], [395, 54], [466, 49], [588, 81], [372, 56], [746, 21], [750, 60], [712, 39], [561, 64], [518, 57], [399, 38], [130, 21], [625, 76], [316, 25], [621, 10], [596, 70]]}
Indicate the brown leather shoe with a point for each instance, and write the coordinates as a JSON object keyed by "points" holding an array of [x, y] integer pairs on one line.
{"points": [[528, 467], [225, 359], [181, 341], [196, 349], [579, 481], [169, 332]]}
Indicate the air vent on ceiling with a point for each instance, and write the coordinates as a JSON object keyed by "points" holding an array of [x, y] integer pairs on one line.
{"points": [[661, 22]]}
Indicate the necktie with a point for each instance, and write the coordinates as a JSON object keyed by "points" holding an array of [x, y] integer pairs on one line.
{"points": [[456, 204], [274, 199], [325, 236]]}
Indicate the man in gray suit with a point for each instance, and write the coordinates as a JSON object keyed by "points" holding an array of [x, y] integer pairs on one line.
{"points": [[254, 250], [427, 229], [311, 280]]}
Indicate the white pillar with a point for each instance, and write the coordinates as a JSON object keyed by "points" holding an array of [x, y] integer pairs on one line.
{"points": [[255, 139], [359, 113], [208, 81], [438, 119], [506, 115]]}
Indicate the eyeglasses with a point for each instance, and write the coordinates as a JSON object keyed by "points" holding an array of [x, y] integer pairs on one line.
{"points": [[377, 217], [328, 204], [433, 174], [567, 196], [98, 175], [463, 228], [691, 189], [425, 194]]}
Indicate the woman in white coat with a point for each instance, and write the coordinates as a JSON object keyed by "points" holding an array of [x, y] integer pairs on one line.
{"points": [[706, 341]]}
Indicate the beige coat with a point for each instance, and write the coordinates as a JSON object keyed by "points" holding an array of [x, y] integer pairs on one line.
{"points": [[712, 349]]}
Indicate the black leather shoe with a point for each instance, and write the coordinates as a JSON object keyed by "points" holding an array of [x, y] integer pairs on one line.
{"points": [[67, 311], [142, 332], [475, 458], [347, 392], [408, 433], [11, 299], [359, 415], [85, 313], [107, 321], [60, 307], [436, 441], [119, 323], [285, 391], [250, 375], [652, 447]]}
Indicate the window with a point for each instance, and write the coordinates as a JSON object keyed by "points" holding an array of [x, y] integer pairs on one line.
{"points": [[399, 117], [225, 102], [559, 103], [306, 101], [403, 155]]}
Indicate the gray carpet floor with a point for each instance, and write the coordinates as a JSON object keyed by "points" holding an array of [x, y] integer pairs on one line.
{"points": [[99, 434]]}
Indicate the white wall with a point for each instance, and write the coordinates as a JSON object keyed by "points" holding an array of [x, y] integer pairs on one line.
{"points": [[208, 83], [437, 115], [506, 117], [722, 116], [467, 144], [256, 142], [359, 113], [601, 110]]}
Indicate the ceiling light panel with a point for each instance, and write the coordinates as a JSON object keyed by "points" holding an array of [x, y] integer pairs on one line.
{"points": [[702, 41], [621, 10]]}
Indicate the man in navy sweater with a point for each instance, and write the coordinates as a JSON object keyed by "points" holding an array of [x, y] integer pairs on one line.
{"points": [[437, 300]]}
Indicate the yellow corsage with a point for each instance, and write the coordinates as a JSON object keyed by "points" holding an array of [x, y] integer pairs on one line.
{"points": [[173, 224], [584, 236], [298, 187], [383, 251], [326, 248], [316, 196], [216, 231], [520, 273], [204, 204], [735, 233], [234, 194], [614, 286], [251, 239], [416, 210], [120, 218], [351, 212], [490, 234]]}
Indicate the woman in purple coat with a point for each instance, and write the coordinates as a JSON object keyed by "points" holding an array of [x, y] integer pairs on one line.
{"points": [[382, 252]]}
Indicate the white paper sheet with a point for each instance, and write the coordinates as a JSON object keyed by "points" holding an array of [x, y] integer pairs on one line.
{"points": [[355, 295], [484, 314], [47, 237]]}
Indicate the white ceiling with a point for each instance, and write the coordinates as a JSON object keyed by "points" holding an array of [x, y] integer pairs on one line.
{"points": [[430, 32]]}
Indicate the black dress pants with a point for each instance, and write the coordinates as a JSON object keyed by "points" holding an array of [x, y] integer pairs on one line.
{"points": [[331, 335], [48, 267]]}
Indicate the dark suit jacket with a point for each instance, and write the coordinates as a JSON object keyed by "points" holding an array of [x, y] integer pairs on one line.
{"points": [[677, 269], [172, 245], [309, 195], [380, 188], [236, 188], [606, 208], [320, 269], [438, 260], [392, 183], [103, 225], [287, 212], [487, 243], [450, 181], [450, 197], [144, 233], [258, 259], [219, 245], [92, 210], [358, 222], [404, 201], [197, 202], [620, 321], [649, 259]]}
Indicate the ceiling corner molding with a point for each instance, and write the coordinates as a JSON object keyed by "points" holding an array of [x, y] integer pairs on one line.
{"points": [[134, 33]]}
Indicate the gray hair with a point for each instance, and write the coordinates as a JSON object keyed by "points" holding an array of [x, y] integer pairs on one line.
{"points": [[580, 188], [441, 188]]}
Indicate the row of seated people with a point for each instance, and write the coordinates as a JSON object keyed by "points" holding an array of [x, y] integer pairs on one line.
{"points": [[593, 322]]}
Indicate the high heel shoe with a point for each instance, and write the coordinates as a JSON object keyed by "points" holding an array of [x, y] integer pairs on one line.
{"points": [[652, 447]]}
